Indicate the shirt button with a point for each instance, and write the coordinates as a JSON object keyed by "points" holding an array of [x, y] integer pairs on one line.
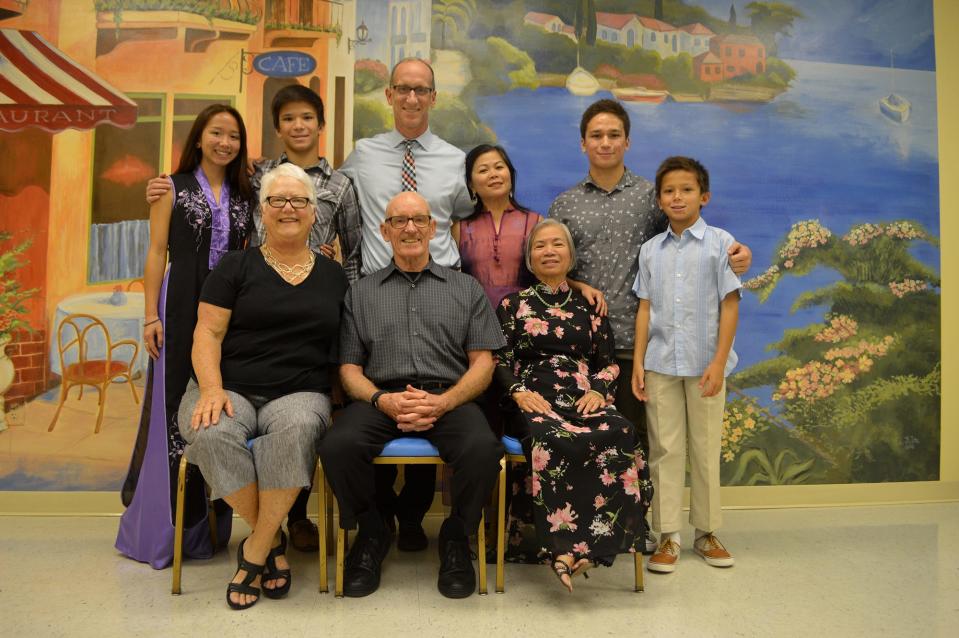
{"points": [[679, 274], [677, 299], [412, 285]]}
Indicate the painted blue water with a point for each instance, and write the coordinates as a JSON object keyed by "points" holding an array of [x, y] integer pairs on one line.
{"points": [[822, 151]]}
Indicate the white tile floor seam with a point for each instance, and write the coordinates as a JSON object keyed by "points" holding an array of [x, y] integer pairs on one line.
{"points": [[859, 571]]}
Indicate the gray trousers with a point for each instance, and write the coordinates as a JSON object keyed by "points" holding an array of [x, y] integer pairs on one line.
{"points": [[284, 437]]}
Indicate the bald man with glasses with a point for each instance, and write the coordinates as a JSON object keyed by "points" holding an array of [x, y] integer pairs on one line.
{"points": [[415, 350]]}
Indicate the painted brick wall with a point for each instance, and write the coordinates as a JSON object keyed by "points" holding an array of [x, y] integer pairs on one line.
{"points": [[28, 351]]}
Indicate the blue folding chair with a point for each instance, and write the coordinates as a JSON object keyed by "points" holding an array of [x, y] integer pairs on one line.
{"points": [[514, 454], [401, 451]]}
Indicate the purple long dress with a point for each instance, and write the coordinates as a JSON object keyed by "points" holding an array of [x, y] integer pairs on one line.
{"points": [[201, 232]]}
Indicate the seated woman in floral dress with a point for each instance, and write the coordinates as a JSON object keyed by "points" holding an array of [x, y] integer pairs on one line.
{"points": [[589, 482]]}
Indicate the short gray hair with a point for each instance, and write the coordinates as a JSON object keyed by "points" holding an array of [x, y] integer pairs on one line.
{"points": [[546, 223], [287, 169]]}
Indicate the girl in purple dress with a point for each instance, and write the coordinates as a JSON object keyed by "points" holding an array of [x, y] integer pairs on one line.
{"points": [[208, 212]]}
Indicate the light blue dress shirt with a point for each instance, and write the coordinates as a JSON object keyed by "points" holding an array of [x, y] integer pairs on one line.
{"points": [[375, 166], [685, 278]]}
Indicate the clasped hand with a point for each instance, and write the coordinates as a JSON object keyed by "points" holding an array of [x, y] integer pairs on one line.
{"points": [[413, 410]]}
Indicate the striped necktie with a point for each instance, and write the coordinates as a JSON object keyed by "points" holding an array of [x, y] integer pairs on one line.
{"points": [[409, 168]]}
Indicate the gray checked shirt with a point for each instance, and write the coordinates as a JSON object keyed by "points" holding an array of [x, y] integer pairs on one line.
{"points": [[608, 227], [416, 329], [337, 212]]}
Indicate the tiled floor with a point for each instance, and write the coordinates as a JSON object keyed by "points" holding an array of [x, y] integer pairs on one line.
{"points": [[865, 571]]}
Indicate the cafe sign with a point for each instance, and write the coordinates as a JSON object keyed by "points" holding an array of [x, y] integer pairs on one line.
{"points": [[284, 64]]}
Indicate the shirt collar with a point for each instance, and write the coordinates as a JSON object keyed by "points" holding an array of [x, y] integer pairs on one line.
{"points": [[431, 267], [320, 165], [628, 179], [425, 140], [697, 230]]}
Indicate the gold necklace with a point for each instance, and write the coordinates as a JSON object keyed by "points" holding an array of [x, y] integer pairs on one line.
{"points": [[291, 274]]}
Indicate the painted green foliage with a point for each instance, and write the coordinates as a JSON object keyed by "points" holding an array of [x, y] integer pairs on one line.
{"points": [[856, 397]]}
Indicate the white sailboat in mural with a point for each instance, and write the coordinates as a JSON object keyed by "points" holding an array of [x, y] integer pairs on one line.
{"points": [[894, 106], [580, 81]]}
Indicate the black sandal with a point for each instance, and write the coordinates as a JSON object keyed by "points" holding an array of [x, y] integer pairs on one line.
{"points": [[245, 586], [561, 568], [271, 572]]}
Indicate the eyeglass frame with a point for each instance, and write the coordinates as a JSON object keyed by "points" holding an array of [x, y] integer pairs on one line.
{"points": [[418, 91], [406, 220], [287, 200]]}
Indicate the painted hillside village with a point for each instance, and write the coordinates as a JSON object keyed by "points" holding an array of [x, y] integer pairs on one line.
{"points": [[715, 59], [643, 52]]}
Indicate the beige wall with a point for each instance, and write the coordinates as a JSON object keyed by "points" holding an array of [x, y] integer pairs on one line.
{"points": [[947, 64]]}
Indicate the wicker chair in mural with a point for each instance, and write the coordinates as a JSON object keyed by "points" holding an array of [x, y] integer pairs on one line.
{"points": [[99, 373]]}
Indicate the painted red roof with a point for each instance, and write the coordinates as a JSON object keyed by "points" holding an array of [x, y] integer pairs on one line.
{"points": [[733, 38], [614, 20], [540, 18], [707, 58], [697, 28], [654, 24]]}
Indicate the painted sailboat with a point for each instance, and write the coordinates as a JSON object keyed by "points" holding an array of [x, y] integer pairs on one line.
{"points": [[894, 106]]}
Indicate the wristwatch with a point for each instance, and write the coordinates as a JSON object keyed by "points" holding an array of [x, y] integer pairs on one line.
{"points": [[376, 397]]}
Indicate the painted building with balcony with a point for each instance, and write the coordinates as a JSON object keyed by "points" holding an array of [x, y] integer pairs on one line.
{"points": [[408, 29]]}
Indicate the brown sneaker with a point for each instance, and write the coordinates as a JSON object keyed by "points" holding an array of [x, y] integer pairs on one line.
{"points": [[712, 551], [665, 559]]}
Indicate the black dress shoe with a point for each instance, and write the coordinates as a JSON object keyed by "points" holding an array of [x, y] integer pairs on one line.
{"points": [[411, 537], [362, 568], [457, 578]]}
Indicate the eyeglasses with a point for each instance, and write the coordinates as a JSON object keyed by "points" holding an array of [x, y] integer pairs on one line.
{"points": [[400, 221], [279, 202], [420, 91]]}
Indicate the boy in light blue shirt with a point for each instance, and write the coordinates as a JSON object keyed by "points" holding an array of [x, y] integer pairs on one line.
{"points": [[685, 327]]}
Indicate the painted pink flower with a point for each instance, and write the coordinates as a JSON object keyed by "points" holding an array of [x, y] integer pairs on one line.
{"points": [[581, 548], [581, 381], [540, 458], [559, 312], [524, 310], [595, 323], [607, 478], [603, 426], [599, 501], [505, 302], [535, 488], [630, 480], [537, 419], [582, 367], [575, 429], [562, 374], [563, 519], [534, 327], [558, 331]]}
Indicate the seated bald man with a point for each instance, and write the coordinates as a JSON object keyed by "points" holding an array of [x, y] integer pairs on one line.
{"points": [[416, 346]]}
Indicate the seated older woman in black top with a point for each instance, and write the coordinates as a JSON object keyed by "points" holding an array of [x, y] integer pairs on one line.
{"points": [[264, 350]]}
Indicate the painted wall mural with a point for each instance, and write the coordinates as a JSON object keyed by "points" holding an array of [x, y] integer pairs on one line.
{"points": [[817, 120]]}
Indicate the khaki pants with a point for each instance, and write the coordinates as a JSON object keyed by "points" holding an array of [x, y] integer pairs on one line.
{"points": [[676, 413]]}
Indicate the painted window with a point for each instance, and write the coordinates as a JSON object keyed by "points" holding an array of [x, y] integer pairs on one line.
{"points": [[123, 160]]}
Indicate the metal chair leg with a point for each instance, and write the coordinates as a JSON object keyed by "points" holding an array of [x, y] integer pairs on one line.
{"points": [[323, 524], [638, 565], [178, 526], [481, 554], [501, 528], [340, 542]]}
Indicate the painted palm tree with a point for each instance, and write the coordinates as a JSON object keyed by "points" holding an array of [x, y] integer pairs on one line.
{"points": [[452, 15]]}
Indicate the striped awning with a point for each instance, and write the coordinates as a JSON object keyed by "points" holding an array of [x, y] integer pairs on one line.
{"points": [[41, 87]]}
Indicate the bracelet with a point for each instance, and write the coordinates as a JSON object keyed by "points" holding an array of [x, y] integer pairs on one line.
{"points": [[376, 397], [149, 322]]}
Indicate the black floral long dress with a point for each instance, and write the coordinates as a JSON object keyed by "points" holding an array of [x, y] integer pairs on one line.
{"points": [[588, 483]]}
